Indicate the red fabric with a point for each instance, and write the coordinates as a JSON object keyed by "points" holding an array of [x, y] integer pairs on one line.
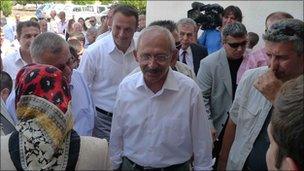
{"points": [[44, 81]]}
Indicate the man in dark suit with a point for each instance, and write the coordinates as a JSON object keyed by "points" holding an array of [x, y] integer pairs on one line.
{"points": [[190, 53]]}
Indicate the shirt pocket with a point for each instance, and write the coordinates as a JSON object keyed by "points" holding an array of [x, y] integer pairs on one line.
{"points": [[250, 116]]}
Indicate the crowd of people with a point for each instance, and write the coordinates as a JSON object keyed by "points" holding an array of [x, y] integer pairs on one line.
{"points": [[126, 96]]}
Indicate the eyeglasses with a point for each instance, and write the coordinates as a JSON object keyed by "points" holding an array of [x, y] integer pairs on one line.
{"points": [[236, 45], [158, 58]]}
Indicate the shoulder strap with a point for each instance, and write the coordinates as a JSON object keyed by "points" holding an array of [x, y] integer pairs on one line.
{"points": [[13, 146], [73, 151]]}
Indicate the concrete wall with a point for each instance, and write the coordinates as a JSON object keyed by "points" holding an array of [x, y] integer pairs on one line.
{"points": [[254, 12]]}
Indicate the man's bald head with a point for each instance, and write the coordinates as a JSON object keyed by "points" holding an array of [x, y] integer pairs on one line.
{"points": [[157, 30], [275, 17]]}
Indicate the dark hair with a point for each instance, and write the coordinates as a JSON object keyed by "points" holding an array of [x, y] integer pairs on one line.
{"points": [[234, 10], [253, 39], [75, 57], [287, 126], [84, 25], [127, 11], [26, 24], [5, 81], [168, 24], [34, 19]]}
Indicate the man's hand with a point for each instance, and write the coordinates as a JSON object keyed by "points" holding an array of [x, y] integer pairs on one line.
{"points": [[268, 85]]}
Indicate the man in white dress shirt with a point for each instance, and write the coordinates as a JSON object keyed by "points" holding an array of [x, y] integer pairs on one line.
{"points": [[159, 116], [49, 48], [62, 25], [105, 63], [13, 62]]}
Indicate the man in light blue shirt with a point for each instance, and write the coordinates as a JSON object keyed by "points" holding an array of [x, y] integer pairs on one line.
{"points": [[49, 48]]}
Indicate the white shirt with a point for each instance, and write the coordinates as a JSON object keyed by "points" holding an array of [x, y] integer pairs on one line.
{"points": [[162, 129], [104, 67], [83, 109], [62, 27], [53, 26], [7, 48], [103, 35], [12, 63], [8, 32], [189, 57]]}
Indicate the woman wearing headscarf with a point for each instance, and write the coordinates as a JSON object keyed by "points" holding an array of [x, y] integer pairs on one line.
{"points": [[45, 139]]}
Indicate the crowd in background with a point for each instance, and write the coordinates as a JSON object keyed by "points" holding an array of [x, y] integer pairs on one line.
{"points": [[160, 96]]}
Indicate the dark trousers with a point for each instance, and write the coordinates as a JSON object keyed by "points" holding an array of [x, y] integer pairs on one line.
{"points": [[129, 165], [218, 145]]}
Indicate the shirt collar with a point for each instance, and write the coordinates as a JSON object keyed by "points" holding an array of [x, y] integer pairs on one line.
{"points": [[188, 50], [171, 82], [18, 57], [111, 45]]}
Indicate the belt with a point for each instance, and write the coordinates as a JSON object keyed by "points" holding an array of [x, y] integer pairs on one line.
{"points": [[104, 112], [169, 168]]}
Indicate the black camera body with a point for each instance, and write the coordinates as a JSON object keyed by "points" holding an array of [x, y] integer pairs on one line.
{"points": [[208, 16]]}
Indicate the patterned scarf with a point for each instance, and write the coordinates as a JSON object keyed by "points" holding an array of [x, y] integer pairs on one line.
{"points": [[43, 108]]}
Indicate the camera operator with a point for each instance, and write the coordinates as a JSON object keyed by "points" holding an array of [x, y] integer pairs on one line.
{"points": [[211, 37]]}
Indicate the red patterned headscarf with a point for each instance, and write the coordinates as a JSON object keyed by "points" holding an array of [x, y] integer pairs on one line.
{"points": [[42, 106], [44, 81]]}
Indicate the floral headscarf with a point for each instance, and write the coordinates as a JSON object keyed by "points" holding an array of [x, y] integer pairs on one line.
{"points": [[42, 106]]}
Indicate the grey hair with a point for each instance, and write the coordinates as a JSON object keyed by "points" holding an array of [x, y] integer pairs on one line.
{"points": [[160, 29], [46, 41], [287, 30], [186, 21], [236, 29], [92, 30]]}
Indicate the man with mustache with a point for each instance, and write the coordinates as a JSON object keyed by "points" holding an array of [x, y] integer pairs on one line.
{"points": [[246, 141], [159, 118]]}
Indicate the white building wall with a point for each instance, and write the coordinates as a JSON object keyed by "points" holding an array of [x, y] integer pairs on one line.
{"points": [[254, 12]]}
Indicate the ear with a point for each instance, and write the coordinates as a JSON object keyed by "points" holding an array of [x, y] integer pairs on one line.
{"points": [[174, 57], [289, 164], [136, 56], [5, 93]]}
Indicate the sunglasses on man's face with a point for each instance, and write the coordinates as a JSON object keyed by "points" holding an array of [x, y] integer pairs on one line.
{"points": [[236, 45]]}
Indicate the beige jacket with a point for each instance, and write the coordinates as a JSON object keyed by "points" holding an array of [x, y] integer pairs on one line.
{"points": [[93, 154]]}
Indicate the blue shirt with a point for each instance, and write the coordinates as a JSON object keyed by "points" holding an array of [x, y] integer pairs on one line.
{"points": [[83, 109], [211, 39], [8, 32]]}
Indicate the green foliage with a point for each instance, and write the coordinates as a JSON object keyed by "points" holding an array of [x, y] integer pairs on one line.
{"points": [[6, 7], [24, 2], [21, 2], [140, 5], [106, 2], [83, 2]]}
